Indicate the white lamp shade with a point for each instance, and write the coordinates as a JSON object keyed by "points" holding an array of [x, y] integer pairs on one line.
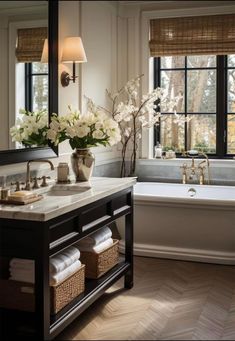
{"points": [[44, 58], [73, 50]]}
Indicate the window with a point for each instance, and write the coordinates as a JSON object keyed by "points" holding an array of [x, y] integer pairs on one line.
{"points": [[206, 110], [36, 86]]}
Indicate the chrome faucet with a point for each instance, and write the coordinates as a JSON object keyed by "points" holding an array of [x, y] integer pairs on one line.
{"points": [[28, 178], [195, 169]]}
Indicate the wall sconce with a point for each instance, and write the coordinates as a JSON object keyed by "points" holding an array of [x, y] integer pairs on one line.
{"points": [[73, 52]]}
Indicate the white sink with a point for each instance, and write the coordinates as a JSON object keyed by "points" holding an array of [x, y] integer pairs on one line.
{"points": [[60, 193], [61, 190]]}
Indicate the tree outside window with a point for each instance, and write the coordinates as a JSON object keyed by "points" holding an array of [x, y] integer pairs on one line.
{"points": [[36, 81], [199, 79]]}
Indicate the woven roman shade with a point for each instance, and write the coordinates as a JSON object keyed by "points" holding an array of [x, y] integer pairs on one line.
{"points": [[30, 44], [214, 34]]}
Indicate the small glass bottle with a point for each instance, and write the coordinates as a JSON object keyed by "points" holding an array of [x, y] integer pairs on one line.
{"points": [[158, 151], [5, 192]]}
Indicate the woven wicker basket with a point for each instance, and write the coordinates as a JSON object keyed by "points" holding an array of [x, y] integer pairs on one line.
{"points": [[66, 291], [20, 295], [97, 264]]}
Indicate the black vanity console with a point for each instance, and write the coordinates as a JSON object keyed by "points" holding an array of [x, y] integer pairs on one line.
{"points": [[38, 240]]}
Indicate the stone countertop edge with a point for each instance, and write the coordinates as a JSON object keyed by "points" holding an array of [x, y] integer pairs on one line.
{"points": [[41, 210]]}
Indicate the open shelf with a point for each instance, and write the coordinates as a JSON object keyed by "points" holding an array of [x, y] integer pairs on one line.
{"points": [[24, 321], [16, 324], [94, 289]]}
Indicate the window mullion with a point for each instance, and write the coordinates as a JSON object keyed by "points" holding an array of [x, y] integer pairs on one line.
{"points": [[28, 86], [221, 108], [157, 83], [185, 103]]}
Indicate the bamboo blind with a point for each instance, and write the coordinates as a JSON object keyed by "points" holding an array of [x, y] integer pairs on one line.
{"points": [[30, 44], [214, 34]]}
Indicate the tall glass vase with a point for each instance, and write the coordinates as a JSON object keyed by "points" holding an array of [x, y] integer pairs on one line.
{"points": [[82, 161]]}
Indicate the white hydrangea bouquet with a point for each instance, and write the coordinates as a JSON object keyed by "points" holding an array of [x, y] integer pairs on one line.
{"points": [[84, 131], [31, 128]]}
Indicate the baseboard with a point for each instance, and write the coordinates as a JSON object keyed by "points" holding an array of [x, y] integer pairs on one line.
{"points": [[169, 252]]}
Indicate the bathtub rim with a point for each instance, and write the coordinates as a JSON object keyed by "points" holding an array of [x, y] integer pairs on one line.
{"points": [[193, 201]]}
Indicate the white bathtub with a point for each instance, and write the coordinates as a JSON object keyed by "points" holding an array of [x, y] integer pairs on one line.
{"points": [[204, 194], [170, 223]]}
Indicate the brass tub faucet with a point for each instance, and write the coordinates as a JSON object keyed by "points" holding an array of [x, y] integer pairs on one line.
{"points": [[195, 170]]}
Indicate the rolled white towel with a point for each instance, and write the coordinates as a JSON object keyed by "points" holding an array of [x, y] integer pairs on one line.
{"points": [[96, 237], [98, 248], [61, 276], [64, 259]]}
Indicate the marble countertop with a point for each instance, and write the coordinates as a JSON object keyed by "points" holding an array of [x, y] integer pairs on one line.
{"points": [[56, 203]]}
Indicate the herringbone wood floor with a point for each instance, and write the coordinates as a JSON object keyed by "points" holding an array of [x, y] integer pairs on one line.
{"points": [[171, 300]]}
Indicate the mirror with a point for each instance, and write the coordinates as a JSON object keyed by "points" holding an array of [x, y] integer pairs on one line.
{"points": [[28, 73]]}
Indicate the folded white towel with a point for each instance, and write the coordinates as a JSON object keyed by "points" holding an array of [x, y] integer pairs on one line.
{"points": [[64, 259], [58, 262], [96, 237], [21, 272], [22, 267], [98, 248], [23, 264], [61, 276], [26, 276], [23, 277]]}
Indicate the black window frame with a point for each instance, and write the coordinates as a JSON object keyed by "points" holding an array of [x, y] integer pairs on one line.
{"points": [[221, 103], [29, 74]]}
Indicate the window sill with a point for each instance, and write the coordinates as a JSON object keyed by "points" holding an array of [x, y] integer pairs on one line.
{"points": [[225, 163]]}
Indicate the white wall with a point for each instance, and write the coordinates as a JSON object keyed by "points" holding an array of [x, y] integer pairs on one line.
{"points": [[96, 23], [117, 50], [69, 21], [133, 31], [69, 18]]}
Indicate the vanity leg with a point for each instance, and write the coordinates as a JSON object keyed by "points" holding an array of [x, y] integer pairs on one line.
{"points": [[42, 293], [128, 281]]}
